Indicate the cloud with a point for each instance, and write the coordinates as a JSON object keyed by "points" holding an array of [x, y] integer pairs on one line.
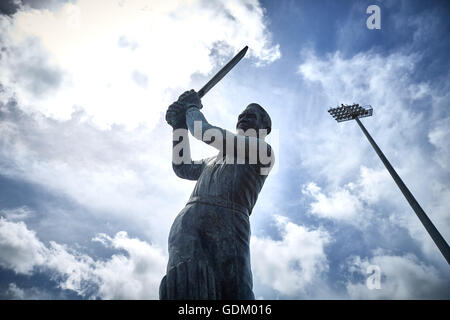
{"points": [[132, 273], [439, 137], [83, 120], [119, 170], [366, 78], [292, 264], [20, 213], [14, 292], [355, 188], [402, 277], [408, 125], [126, 72], [353, 202], [340, 205], [134, 277], [20, 250], [9, 7], [71, 124], [27, 72]]}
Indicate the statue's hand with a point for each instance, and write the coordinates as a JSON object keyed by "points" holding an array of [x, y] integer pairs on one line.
{"points": [[176, 115], [190, 98]]}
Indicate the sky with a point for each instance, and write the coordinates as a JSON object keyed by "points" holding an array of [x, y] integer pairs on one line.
{"points": [[87, 192]]}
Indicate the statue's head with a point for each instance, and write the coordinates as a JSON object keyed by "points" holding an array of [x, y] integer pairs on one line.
{"points": [[254, 117]]}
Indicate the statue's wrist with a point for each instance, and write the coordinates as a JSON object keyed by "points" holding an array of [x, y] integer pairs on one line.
{"points": [[192, 105], [180, 125]]}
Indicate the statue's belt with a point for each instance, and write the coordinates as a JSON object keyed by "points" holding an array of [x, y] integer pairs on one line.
{"points": [[220, 202]]}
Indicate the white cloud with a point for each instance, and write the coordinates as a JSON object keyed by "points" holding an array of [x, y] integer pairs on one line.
{"points": [[120, 172], [293, 264], [78, 72], [374, 201], [352, 203], [20, 249], [340, 155], [14, 292], [340, 205], [375, 185], [402, 277], [96, 48], [20, 213], [337, 150], [134, 275], [439, 136]]}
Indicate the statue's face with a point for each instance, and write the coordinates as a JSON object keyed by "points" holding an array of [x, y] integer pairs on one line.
{"points": [[250, 118]]}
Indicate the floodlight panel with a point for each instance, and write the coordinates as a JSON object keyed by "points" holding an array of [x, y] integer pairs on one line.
{"points": [[349, 112]]}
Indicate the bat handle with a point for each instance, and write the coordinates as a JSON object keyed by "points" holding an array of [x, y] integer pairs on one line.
{"points": [[201, 93]]}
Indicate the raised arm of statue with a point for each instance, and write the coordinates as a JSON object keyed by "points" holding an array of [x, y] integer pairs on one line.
{"points": [[246, 147], [182, 163]]}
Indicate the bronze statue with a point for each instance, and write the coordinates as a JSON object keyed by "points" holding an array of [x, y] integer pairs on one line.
{"points": [[209, 255]]}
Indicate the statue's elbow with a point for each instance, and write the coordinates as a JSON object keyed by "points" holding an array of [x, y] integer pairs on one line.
{"points": [[177, 168]]}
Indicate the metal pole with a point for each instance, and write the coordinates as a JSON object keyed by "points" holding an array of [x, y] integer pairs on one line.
{"points": [[433, 232]]}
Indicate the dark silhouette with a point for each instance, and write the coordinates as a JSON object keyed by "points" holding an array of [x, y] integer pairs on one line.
{"points": [[209, 255]]}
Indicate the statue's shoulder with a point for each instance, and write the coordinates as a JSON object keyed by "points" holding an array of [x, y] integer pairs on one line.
{"points": [[210, 160]]}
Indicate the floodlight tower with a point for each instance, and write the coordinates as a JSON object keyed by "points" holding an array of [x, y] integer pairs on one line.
{"points": [[355, 111]]}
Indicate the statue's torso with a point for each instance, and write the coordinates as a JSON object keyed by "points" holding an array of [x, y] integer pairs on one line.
{"points": [[209, 253], [234, 183]]}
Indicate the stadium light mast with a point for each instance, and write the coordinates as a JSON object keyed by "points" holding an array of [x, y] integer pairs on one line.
{"points": [[355, 111]]}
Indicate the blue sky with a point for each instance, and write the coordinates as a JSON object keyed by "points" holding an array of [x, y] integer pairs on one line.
{"points": [[87, 192]]}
